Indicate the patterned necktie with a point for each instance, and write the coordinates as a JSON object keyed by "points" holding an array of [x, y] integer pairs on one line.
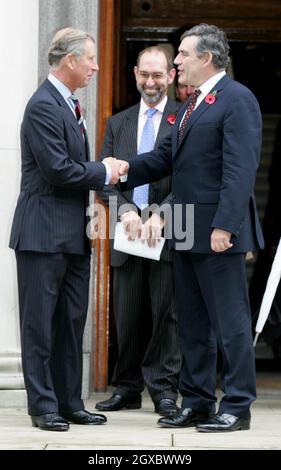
{"points": [[78, 114], [140, 196], [189, 109]]}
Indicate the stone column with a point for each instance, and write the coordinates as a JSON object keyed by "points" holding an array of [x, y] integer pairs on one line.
{"points": [[81, 14], [18, 80]]}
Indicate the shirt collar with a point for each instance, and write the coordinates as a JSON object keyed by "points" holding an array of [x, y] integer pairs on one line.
{"points": [[160, 106], [62, 89], [209, 84]]}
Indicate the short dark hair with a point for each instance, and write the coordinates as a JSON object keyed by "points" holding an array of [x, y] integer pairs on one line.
{"points": [[211, 39]]}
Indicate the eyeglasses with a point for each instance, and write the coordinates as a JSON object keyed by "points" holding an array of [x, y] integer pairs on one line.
{"points": [[155, 76]]}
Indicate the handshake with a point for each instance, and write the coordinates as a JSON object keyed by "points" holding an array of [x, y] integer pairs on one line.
{"points": [[119, 169]]}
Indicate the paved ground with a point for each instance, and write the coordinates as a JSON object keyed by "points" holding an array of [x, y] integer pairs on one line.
{"points": [[137, 429]]}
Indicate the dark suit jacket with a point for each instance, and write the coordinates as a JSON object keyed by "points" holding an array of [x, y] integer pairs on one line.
{"points": [[56, 175], [121, 141], [213, 167]]}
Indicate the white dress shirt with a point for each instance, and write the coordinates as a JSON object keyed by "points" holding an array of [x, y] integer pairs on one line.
{"points": [[208, 86], [156, 119]]}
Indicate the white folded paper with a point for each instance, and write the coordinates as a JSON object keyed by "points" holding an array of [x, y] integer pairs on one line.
{"points": [[136, 247], [123, 178]]}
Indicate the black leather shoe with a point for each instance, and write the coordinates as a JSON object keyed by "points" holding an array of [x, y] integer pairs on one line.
{"points": [[117, 402], [166, 407], [224, 422], [85, 417], [184, 418], [50, 422]]}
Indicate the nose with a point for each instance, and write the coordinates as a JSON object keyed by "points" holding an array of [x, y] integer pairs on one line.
{"points": [[95, 66], [150, 81], [176, 60]]}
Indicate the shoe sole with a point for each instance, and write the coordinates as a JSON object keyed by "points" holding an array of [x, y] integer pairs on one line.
{"points": [[88, 424], [43, 428], [164, 425], [245, 427], [46, 428], [129, 406]]}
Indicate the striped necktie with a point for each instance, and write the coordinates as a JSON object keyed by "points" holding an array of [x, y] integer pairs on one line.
{"points": [[189, 109], [78, 114]]}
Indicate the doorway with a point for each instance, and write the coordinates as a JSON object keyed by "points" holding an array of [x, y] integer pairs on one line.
{"points": [[256, 62]]}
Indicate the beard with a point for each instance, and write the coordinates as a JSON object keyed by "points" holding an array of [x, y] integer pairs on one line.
{"points": [[151, 99]]}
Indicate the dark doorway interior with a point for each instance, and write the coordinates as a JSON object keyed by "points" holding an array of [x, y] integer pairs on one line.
{"points": [[258, 66]]}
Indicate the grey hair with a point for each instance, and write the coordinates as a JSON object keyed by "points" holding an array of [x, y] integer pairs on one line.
{"points": [[211, 39], [66, 41]]}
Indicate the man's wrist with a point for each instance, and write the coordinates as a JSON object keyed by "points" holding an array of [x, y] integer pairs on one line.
{"points": [[108, 173]]}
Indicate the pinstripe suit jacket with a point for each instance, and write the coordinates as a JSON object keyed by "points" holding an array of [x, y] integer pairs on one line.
{"points": [[121, 142], [50, 214]]}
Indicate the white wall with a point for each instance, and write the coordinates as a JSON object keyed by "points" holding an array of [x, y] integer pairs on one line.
{"points": [[18, 80]]}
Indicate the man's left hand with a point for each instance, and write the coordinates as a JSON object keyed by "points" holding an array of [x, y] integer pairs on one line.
{"points": [[220, 240]]}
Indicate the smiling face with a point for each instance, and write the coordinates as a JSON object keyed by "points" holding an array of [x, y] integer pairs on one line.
{"points": [[192, 70], [153, 77]]}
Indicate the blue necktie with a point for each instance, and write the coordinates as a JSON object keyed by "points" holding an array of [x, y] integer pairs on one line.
{"points": [[140, 196]]}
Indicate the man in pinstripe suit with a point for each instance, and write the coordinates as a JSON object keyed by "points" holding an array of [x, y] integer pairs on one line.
{"points": [[49, 236], [146, 327]]}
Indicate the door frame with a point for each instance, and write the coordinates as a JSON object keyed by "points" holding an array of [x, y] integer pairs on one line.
{"points": [[101, 271]]}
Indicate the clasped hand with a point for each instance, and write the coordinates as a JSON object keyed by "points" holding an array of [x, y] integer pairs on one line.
{"points": [[118, 168], [150, 231]]}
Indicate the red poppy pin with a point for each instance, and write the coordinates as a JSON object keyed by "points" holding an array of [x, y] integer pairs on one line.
{"points": [[171, 119], [211, 97]]}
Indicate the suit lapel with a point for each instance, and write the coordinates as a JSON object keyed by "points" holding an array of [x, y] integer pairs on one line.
{"points": [[131, 130], [131, 135], [196, 114], [74, 124], [131, 127], [165, 126], [69, 116], [175, 131], [87, 146], [193, 118]]}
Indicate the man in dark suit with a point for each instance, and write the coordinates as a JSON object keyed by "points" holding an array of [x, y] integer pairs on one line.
{"points": [[143, 289], [49, 235], [213, 154]]}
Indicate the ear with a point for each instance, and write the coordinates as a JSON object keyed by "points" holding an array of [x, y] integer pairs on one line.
{"points": [[171, 76], [207, 58], [70, 61], [135, 71]]}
